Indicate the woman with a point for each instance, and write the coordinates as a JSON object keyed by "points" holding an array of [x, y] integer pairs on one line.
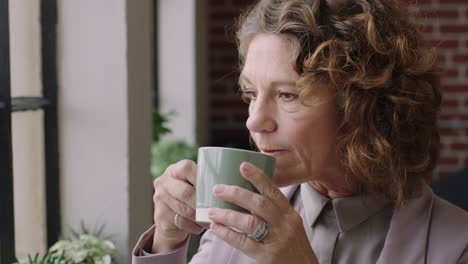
{"points": [[345, 95]]}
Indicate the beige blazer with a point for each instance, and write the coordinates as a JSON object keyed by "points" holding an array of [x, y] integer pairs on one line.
{"points": [[427, 230]]}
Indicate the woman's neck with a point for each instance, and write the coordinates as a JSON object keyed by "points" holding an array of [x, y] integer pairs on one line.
{"points": [[335, 186]]}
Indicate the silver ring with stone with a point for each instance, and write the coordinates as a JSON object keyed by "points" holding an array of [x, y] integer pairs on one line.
{"points": [[260, 232], [176, 220]]}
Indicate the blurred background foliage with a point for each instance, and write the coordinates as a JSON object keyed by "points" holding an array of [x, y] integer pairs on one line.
{"points": [[167, 152]]}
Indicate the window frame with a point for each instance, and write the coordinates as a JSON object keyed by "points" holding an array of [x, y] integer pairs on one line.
{"points": [[49, 104], [7, 225]]}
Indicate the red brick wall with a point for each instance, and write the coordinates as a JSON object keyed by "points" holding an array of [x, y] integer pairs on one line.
{"points": [[228, 113], [446, 22], [446, 26]]}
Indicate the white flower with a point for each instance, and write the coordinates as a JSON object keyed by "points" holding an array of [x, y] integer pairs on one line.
{"points": [[109, 244], [86, 248], [104, 260]]}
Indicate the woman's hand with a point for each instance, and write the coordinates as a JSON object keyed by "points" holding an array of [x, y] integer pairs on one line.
{"points": [[174, 195], [286, 241]]}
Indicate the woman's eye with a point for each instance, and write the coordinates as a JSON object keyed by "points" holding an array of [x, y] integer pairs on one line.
{"points": [[287, 97], [249, 95]]}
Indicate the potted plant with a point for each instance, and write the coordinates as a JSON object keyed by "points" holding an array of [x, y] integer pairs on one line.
{"points": [[85, 246]]}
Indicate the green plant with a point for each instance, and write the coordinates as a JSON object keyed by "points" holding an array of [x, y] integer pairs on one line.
{"points": [[97, 231], [159, 124], [85, 246], [166, 153], [48, 258], [87, 249]]}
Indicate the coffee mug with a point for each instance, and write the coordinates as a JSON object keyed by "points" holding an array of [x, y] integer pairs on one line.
{"points": [[219, 165]]}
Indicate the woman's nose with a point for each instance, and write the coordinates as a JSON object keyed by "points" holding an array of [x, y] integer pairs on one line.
{"points": [[261, 117]]}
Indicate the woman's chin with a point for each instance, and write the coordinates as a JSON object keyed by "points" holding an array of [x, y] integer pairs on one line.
{"points": [[283, 179]]}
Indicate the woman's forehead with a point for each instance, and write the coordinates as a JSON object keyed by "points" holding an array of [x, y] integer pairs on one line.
{"points": [[269, 57], [270, 47]]}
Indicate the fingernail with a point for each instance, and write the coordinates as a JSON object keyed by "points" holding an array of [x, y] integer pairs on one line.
{"points": [[246, 167], [218, 188], [212, 212]]}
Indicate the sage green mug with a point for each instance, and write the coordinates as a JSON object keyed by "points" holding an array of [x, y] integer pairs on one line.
{"points": [[219, 165]]}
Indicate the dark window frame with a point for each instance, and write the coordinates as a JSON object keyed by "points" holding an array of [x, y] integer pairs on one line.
{"points": [[48, 103]]}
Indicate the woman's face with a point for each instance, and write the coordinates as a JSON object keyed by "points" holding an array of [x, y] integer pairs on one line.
{"points": [[301, 138]]}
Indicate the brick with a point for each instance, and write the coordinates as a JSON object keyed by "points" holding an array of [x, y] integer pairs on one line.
{"points": [[454, 29], [226, 14], [460, 58], [218, 118], [221, 45], [218, 2], [452, 1], [443, 174], [442, 146], [228, 54], [451, 44], [232, 103], [457, 116], [241, 117], [426, 28], [217, 30], [220, 73], [445, 117], [420, 2], [440, 14], [217, 88], [448, 132], [448, 161], [450, 104], [455, 88], [230, 132], [441, 59], [459, 146], [229, 60], [451, 73]]}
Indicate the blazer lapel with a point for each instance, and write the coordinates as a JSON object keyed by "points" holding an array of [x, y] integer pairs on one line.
{"points": [[406, 241]]}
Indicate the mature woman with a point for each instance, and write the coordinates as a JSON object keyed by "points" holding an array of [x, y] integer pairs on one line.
{"points": [[344, 93]]}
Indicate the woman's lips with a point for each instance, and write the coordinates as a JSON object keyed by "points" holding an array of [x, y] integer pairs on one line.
{"points": [[273, 152]]}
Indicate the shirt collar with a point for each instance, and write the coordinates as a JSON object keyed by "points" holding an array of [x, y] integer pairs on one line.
{"points": [[350, 211]]}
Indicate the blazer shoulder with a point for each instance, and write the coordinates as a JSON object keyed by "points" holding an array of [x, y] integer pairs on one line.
{"points": [[449, 217], [448, 232]]}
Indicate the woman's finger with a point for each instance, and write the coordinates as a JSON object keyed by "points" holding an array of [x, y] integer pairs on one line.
{"points": [[178, 207], [185, 170], [188, 225], [237, 240], [264, 185], [181, 191], [253, 202], [240, 221], [165, 221]]}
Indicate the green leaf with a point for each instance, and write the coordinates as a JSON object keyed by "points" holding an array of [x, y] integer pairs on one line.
{"points": [[166, 153], [159, 124]]}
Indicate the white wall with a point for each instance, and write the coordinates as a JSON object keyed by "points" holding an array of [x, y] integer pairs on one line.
{"points": [[182, 67], [105, 116]]}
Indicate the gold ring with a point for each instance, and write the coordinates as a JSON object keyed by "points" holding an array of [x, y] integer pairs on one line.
{"points": [[176, 220]]}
